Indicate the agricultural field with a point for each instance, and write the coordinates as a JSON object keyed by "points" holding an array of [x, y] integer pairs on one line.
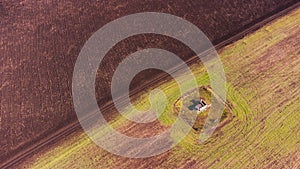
{"points": [[263, 78], [40, 42]]}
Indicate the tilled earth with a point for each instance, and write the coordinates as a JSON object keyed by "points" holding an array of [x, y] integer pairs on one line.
{"points": [[262, 74]]}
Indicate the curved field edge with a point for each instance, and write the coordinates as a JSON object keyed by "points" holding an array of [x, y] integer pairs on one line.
{"points": [[263, 72]]}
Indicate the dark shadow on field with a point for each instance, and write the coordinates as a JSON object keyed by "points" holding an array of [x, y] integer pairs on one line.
{"points": [[195, 102]]}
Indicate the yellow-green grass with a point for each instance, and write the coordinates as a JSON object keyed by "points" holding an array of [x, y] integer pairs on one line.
{"points": [[185, 106], [263, 81]]}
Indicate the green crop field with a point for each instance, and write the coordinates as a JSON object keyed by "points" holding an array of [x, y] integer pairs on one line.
{"points": [[263, 79]]}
